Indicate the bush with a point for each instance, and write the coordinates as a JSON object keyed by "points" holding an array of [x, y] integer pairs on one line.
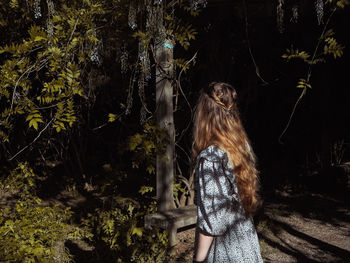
{"points": [[30, 231], [120, 227]]}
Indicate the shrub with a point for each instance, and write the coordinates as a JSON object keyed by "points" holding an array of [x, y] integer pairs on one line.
{"points": [[120, 227], [30, 231]]}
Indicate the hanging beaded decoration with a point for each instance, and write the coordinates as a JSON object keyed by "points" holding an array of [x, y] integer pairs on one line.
{"points": [[319, 11], [37, 9], [295, 14], [49, 22], [132, 18], [280, 16]]}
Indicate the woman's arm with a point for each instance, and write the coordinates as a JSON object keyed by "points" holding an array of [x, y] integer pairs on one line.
{"points": [[215, 207], [204, 243]]}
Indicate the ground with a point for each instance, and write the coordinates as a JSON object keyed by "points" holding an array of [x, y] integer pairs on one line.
{"points": [[307, 227]]}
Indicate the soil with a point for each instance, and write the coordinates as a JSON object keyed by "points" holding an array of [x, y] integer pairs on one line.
{"points": [[307, 227]]}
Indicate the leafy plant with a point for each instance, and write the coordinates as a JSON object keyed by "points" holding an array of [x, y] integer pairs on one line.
{"points": [[146, 145], [120, 227], [31, 231], [330, 47]]}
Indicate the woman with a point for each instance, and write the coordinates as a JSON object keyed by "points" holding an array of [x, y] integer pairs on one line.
{"points": [[226, 181]]}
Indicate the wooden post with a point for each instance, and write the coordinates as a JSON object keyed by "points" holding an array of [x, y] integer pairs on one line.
{"points": [[165, 119]]}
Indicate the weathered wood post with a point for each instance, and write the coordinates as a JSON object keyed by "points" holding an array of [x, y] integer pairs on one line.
{"points": [[167, 217], [165, 119]]}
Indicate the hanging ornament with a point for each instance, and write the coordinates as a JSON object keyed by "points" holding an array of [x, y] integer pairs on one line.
{"points": [[129, 99], [319, 11], [124, 59], [37, 9], [50, 7], [94, 54], [195, 4], [295, 14], [280, 16], [49, 22], [147, 68], [132, 18], [141, 91], [144, 60]]}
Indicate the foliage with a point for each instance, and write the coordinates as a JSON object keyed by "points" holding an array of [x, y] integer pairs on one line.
{"points": [[41, 72], [304, 85], [146, 145], [339, 3], [30, 231], [182, 33], [292, 54], [48, 50], [330, 47], [178, 190], [120, 227]]}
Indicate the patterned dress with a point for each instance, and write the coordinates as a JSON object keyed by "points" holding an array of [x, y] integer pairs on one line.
{"points": [[220, 213]]}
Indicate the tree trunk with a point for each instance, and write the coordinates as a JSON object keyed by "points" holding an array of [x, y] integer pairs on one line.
{"points": [[165, 120]]}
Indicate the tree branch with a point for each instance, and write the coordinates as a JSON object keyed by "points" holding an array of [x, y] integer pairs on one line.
{"points": [[35, 139], [308, 76]]}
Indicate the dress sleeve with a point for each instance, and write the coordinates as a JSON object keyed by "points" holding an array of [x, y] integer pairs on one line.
{"points": [[216, 198]]}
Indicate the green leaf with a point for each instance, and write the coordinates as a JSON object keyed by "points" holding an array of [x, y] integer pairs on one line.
{"points": [[39, 38], [111, 117], [135, 141], [146, 189], [34, 122], [130, 209], [150, 169], [137, 230]]}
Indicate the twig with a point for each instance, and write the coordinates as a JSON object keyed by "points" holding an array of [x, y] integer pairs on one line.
{"points": [[71, 35], [35, 139], [308, 76], [257, 70], [105, 124], [179, 78], [318, 44], [182, 149], [14, 90], [46, 107], [291, 116], [178, 82]]}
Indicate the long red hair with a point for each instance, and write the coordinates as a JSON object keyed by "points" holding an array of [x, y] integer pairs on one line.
{"points": [[217, 122]]}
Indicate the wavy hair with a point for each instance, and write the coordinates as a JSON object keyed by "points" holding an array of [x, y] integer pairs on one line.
{"points": [[217, 122]]}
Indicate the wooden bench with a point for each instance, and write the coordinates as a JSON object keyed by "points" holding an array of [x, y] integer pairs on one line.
{"points": [[172, 220]]}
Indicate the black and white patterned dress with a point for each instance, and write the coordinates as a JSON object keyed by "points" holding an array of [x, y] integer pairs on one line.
{"points": [[220, 212]]}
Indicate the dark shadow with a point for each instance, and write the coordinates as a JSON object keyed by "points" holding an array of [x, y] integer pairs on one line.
{"points": [[300, 257], [329, 248], [334, 253], [324, 207], [100, 254]]}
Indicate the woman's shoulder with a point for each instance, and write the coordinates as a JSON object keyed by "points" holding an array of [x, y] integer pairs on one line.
{"points": [[212, 153]]}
